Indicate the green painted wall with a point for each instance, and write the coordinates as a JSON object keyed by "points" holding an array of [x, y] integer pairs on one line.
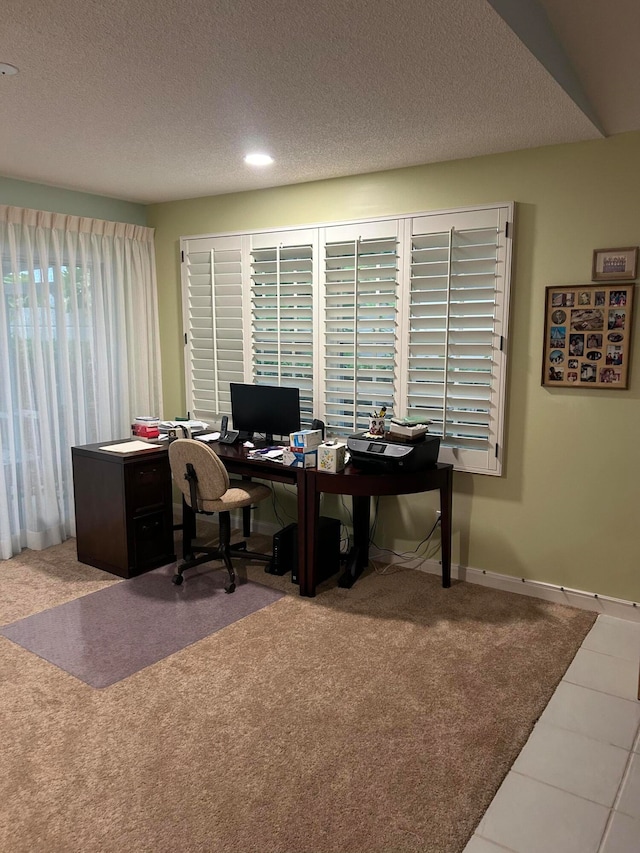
{"points": [[40, 197], [566, 507]]}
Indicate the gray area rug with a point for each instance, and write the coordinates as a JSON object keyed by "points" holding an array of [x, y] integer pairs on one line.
{"points": [[113, 633]]}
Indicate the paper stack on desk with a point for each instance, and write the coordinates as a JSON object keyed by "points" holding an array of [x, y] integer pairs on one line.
{"points": [[267, 454], [209, 436], [134, 446], [193, 425], [146, 426], [407, 429]]}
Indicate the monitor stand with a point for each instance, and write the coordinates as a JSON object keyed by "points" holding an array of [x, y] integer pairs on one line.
{"points": [[268, 441], [257, 440]]}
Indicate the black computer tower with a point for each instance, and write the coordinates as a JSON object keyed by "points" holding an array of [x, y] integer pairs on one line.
{"points": [[285, 550]]}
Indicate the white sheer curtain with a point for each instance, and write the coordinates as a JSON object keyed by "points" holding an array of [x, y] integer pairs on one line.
{"points": [[79, 358]]}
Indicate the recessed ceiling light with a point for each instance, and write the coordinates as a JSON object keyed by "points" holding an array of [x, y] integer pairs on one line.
{"points": [[7, 70], [258, 160]]}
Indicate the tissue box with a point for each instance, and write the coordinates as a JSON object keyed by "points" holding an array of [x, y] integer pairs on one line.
{"points": [[298, 458], [308, 439], [331, 457]]}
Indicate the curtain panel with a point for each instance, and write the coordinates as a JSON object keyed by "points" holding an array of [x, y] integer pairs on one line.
{"points": [[79, 358]]}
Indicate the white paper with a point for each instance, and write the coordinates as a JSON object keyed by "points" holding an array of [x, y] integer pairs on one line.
{"points": [[210, 436], [193, 425], [130, 447]]}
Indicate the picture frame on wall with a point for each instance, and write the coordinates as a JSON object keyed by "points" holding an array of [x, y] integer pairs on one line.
{"points": [[587, 336], [615, 264]]}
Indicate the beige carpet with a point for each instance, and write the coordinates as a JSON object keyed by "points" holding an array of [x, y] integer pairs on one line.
{"points": [[381, 718]]}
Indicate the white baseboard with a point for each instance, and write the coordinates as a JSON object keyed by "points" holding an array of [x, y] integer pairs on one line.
{"points": [[617, 607], [605, 604]]}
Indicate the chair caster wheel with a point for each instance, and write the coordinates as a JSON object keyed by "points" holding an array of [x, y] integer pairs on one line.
{"points": [[242, 546], [177, 579], [231, 588]]}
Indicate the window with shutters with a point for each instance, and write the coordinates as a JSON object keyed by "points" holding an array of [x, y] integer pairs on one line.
{"points": [[282, 313], [408, 312], [359, 343], [213, 322], [456, 323]]}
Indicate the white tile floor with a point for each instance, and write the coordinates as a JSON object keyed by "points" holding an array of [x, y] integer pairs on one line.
{"points": [[575, 787]]}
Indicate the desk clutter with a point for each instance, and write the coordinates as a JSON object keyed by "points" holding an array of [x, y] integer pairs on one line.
{"points": [[146, 427], [404, 445], [183, 428], [407, 445], [306, 450], [407, 429], [150, 428]]}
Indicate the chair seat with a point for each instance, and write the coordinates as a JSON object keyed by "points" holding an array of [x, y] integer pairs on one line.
{"points": [[244, 494]]}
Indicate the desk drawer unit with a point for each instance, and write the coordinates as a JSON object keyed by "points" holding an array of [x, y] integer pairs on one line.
{"points": [[124, 513], [146, 484], [149, 539]]}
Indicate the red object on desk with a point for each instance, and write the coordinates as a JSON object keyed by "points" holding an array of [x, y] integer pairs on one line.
{"points": [[143, 431]]}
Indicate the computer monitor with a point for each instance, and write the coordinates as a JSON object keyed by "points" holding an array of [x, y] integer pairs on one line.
{"points": [[268, 409]]}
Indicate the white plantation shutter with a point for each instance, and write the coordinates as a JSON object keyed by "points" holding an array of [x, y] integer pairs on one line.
{"points": [[282, 312], [408, 312], [359, 345], [213, 322], [456, 327]]}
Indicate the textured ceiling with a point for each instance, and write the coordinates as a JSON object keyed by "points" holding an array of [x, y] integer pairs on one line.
{"points": [[156, 101]]}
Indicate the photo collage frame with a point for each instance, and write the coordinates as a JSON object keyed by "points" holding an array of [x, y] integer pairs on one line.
{"points": [[587, 336]]}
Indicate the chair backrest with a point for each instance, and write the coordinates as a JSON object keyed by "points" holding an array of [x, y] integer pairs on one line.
{"points": [[213, 480]]}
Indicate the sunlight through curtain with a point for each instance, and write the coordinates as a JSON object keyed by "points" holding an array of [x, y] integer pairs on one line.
{"points": [[79, 358]]}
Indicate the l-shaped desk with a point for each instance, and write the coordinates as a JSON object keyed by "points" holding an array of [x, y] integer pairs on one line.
{"points": [[138, 486]]}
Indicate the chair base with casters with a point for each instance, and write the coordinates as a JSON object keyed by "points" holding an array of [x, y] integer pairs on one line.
{"points": [[194, 554], [205, 486]]}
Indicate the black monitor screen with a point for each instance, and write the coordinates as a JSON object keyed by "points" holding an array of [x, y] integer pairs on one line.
{"points": [[268, 409]]}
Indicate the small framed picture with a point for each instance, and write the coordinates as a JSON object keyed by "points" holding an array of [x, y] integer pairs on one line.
{"points": [[587, 336], [615, 264]]}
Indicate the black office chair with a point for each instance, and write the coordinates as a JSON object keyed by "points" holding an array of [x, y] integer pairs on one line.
{"points": [[206, 488]]}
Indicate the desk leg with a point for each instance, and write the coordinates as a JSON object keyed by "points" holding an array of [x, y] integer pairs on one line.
{"points": [[446, 509], [308, 512], [358, 557]]}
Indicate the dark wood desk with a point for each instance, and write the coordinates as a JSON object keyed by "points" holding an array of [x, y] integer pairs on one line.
{"points": [[362, 486], [124, 504], [124, 516]]}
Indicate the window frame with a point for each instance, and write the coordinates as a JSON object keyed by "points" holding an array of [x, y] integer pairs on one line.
{"points": [[487, 461]]}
